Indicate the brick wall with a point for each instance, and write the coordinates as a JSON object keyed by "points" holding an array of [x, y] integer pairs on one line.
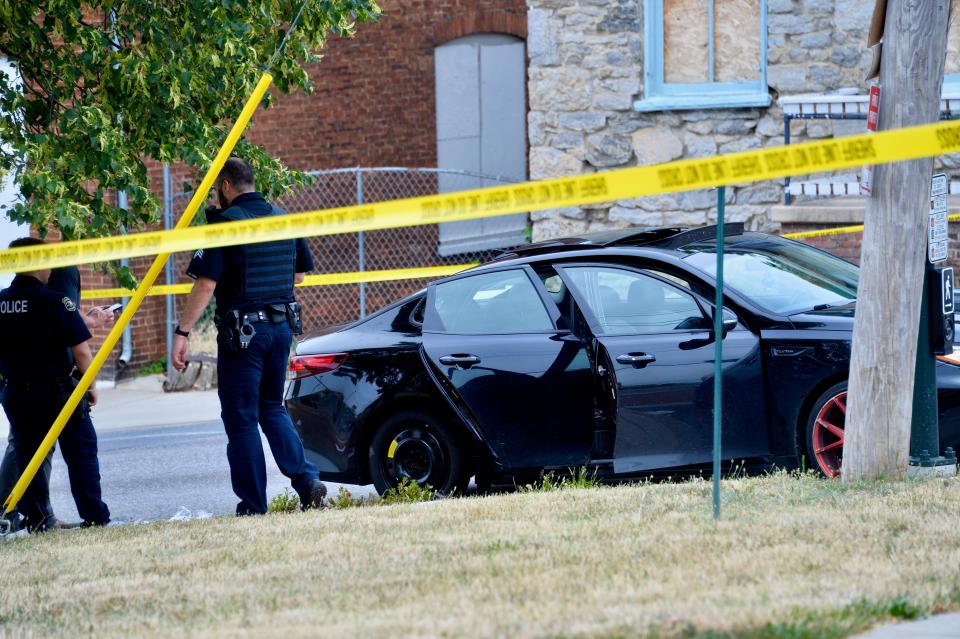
{"points": [[372, 105], [847, 245]]}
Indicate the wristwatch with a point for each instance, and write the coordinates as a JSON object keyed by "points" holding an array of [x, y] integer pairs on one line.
{"points": [[180, 332]]}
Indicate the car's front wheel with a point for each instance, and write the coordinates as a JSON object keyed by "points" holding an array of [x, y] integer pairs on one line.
{"points": [[825, 430], [419, 447]]}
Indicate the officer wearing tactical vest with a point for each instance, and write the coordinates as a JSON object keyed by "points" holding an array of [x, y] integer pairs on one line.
{"points": [[41, 328], [256, 317]]}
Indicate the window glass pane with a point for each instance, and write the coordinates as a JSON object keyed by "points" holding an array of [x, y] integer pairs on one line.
{"points": [[686, 44], [628, 303], [686, 56], [669, 276], [736, 40], [953, 40], [779, 275], [504, 302], [417, 316]]}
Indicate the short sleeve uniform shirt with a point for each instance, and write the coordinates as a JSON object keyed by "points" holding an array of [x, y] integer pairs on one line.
{"points": [[38, 326], [66, 281]]}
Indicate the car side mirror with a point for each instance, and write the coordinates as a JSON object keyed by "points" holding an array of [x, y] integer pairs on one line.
{"points": [[729, 321]]}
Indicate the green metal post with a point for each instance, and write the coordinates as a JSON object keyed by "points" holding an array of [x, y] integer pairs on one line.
{"points": [[718, 358]]}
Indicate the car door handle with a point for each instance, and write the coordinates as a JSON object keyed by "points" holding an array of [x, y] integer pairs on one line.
{"points": [[459, 360], [637, 360]]}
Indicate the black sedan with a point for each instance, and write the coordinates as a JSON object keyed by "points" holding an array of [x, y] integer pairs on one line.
{"points": [[594, 351]]}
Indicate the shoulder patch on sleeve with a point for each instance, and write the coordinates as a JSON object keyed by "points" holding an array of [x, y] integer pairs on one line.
{"points": [[68, 304]]}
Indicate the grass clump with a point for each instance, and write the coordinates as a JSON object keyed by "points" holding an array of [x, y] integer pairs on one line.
{"points": [[285, 502], [577, 478], [344, 499], [155, 367], [408, 492]]}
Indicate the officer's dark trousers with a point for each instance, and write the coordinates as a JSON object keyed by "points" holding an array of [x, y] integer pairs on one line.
{"points": [[10, 471], [31, 412], [250, 384]]}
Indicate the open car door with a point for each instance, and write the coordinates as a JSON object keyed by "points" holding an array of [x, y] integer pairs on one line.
{"points": [[655, 343], [494, 341]]}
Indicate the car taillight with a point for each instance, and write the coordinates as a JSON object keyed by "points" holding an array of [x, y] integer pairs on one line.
{"points": [[307, 365]]}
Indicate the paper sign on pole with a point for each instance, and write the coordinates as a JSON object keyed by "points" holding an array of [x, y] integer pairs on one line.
{"points": [[873, 117], [937, 229]]}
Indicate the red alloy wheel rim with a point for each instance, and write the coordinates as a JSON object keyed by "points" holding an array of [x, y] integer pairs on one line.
{"points": [[828, 434]]}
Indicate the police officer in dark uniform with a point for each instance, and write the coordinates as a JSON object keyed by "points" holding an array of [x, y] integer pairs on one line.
{"points": [[256, 317], [41, 326], [65, 281]]}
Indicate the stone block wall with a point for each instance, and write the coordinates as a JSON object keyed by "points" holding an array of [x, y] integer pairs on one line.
{"points": [[586, 71]]}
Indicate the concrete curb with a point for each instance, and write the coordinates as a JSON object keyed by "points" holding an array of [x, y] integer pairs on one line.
{"points": [[939, 627]]}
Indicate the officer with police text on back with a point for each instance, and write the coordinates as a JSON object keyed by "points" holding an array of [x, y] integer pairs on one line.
{"points": [[41, 329], [65, 281], [256, 319]]}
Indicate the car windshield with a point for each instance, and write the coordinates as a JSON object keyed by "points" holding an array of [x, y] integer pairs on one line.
{"points": [[781, 276]]}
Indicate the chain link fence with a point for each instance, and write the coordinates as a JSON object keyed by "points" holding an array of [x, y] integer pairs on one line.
{"points": [[409, 247]]}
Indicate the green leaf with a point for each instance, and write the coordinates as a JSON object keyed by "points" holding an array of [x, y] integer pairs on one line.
{"points": [[89, 117]]}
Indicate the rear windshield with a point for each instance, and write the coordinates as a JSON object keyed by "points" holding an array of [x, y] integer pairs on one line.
{"points": [[780, 275]]}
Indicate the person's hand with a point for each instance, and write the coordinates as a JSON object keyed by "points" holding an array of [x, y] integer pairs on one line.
{"points": [[99, 317], [109, 317], [92, 396], [179, 352]]}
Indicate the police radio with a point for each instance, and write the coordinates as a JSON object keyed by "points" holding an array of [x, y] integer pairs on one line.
{"points": [[941, 310]]}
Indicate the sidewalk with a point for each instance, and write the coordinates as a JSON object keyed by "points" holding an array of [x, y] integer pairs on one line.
{"points": [[939, 627], [141, 402]]}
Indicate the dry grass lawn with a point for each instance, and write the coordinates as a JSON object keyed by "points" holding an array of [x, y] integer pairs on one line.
{"points": [[793, 557]]}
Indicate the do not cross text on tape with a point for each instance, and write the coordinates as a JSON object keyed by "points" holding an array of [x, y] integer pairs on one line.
{"points": [[683, 175]]}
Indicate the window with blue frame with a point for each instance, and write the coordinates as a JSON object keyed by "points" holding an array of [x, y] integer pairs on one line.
{"points": [[951, 71], [701, 54]]}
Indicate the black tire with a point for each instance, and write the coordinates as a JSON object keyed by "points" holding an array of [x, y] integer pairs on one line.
{"points": [[424, 450], [827, 414]]}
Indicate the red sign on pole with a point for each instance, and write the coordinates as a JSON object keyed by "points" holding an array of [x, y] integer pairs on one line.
{"points": [[873, 117]]}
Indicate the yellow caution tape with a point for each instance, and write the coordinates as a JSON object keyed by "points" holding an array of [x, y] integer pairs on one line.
{"points": [[799, 235], [684, 175], [326, 279]]}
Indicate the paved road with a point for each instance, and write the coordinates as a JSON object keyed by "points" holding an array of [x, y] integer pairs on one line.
{"points": [[152, 473]]}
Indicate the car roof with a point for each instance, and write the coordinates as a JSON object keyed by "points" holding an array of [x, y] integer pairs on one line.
{"points": [[668, 238], [651, 242]]}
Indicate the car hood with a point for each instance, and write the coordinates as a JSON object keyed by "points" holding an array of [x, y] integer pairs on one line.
{"points": [[830, 319]]}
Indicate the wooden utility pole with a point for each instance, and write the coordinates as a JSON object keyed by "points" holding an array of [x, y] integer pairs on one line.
{"points": [[880, 398]]}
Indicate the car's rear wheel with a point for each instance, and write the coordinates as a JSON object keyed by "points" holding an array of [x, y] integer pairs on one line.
{"points": [[825, 430], [419, 447]]}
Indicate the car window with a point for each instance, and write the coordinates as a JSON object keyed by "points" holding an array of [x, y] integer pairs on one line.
{"points": [[628, 303], [669, 276], [416, 317], [558, 292], [781, 276], [501, 302]]}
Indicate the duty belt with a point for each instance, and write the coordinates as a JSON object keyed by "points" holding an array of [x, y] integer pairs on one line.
{"points": [[264, 315]]}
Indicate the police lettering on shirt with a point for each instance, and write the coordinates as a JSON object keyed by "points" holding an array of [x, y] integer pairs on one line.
{"points": [[40, 327], [13, 306]]}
